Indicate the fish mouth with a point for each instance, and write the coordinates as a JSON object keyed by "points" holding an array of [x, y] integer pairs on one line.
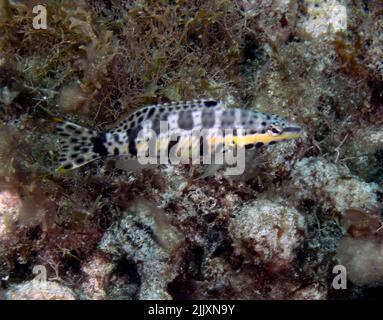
{"points": [[291, 133], [292, 130]]}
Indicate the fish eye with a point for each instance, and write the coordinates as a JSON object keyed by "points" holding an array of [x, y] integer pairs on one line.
{"points": [[274, 130]]}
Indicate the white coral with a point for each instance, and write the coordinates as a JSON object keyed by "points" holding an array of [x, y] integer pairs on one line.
{"points": [[10, 205], [40, 290], [331, 186], [323, 16], [268, 232]]}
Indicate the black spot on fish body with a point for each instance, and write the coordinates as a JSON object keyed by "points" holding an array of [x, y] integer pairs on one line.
{"points": [[164, 116], [98, 144], [65, 135], [210, 103], [185, 120], [71, 127], [208, 118], [291, 129], [259, 144], [227, 119], [201, 143], [80, 160], [156, 125], [151, 112], [249, 146], [116, 138], [67, 166], [116, 151], [132, 135]]}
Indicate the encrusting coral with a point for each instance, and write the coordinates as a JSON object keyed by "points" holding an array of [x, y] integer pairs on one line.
{"points": [[146, 237], [268, 233], [40, 290], [316, 179], [360, 249]]}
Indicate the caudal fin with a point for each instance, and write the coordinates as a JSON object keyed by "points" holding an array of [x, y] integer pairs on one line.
{"points": [[76, 145]]}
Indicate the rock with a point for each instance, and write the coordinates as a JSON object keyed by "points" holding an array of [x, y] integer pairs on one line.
{"points": [[10, 205], [365, 161], [97, 270], [39, 290], [352, 193], [324, 16], [331, 186], [363, 259], [372, 29], [312, 292], [267, 232], [145, 236]]}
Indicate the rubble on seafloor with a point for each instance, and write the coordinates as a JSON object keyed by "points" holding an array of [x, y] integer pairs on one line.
{"points": [[110, 230]]}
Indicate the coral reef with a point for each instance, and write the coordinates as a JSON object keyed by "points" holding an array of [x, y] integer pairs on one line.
{"points": [[316, 179], [40, 290], [360, 249], [10, 207], [98, 270], [115, 230], [324, 15], [267, 233], [362, 259], [146, 237]]}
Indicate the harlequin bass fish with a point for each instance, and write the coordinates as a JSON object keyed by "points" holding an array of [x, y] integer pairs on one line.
{"points": [[247, 128]]}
